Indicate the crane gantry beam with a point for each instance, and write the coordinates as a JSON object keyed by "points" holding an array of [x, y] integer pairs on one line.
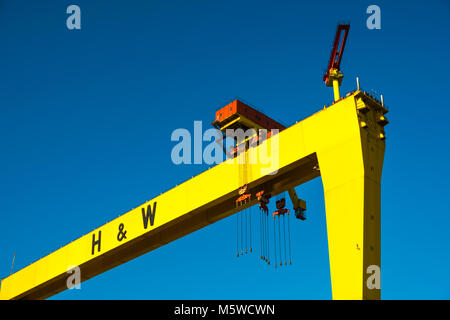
{"points": [[344, 144]]}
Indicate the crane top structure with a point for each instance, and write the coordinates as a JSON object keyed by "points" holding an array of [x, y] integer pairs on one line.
{"points": [[333, 75]]}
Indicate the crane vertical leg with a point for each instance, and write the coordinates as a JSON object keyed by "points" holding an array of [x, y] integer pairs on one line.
{"points": [[351, 175]]}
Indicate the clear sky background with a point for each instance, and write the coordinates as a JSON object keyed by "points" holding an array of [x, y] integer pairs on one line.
{"points": [[86, 118]]}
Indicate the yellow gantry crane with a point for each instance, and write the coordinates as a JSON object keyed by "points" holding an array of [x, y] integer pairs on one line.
{"points": [[343, 144]]}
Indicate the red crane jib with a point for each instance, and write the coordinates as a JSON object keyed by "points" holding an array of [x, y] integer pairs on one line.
{"points": [[337, 51]]}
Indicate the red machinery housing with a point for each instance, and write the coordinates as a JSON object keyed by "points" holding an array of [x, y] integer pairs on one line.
{"points": [[238, 115]]}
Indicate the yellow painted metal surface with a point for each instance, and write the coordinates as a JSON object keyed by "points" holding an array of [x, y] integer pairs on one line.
{"points": [[336, 90], [350, 159]]}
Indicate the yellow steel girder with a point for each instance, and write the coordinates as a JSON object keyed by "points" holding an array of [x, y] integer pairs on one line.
{"points": [[345, 140]]}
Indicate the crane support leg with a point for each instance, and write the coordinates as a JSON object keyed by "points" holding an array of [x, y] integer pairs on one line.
{"points": [[351, 175]]}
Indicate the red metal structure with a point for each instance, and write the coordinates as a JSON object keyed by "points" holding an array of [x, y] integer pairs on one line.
{"points": [[249, 118], [238, 115], [336, 52], [280, 205]]}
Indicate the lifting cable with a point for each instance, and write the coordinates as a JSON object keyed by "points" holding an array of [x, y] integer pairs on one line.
{"points": [[242, 233], [279, 234], [284, 235], [282, 244], [289, 239], [244, 227], [250, 227], [263, 200], [260, 234], [264, 233], [267, 236], [274, 241], [237, 234], [244, 219]]}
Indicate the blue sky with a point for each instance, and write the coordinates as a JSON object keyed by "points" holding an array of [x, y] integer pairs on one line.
{"points": [[86, 118]]}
